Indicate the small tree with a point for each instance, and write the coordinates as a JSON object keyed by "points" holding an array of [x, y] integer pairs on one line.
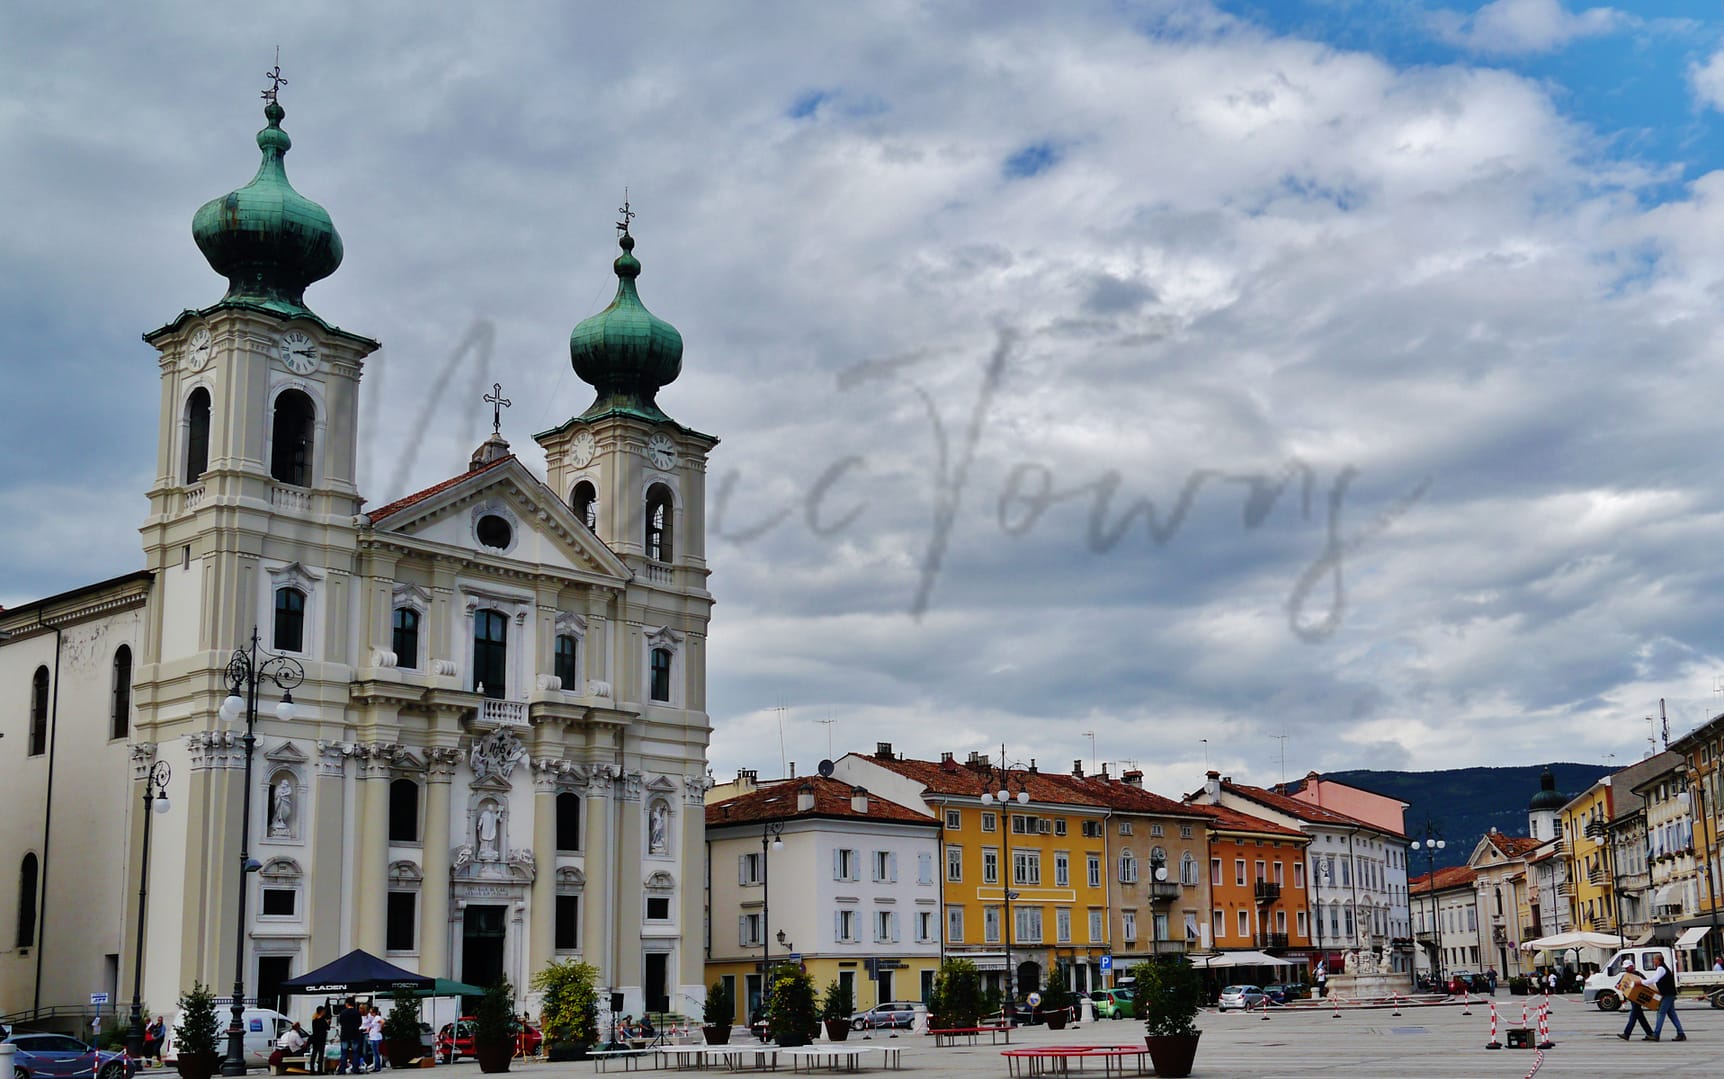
{"points": [[958, 988], [720, 1007], [569, 1008], [1056, 997], [1169, 994], [402, 1022], [791, 1008], [839, 1003], [494, 1018], [195, 1033]]}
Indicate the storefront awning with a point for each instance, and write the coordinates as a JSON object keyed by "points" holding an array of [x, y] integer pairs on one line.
{"points": [[1691, 938], [989, 962]]}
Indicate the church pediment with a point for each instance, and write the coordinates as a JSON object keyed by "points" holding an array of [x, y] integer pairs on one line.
{"points": [[661, 785], [286, 753], [501, 511]]}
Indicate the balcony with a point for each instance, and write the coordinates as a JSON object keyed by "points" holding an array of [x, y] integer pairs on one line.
{"points": [[1597, 875], [494, 713], [1499, 934], [1601, 924], [1566, 889], [289, 499], [1163, 889], [1267, 892], [1269, 941]]}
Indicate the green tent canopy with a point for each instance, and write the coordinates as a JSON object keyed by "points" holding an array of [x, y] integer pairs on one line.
{"points": [[449, 987]]}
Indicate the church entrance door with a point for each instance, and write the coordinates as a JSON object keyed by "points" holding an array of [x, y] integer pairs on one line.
{"points": [[483, 934], [657, 987]]}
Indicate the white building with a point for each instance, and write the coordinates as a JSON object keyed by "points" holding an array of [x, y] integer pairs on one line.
{"points": [[496, 754]]}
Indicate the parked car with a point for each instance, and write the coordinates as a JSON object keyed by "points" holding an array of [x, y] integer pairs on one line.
{"points": [[895, 1014], [457, 1038], [1281, 994], [1113, 1003], [1241, 997], [59, 1056], [1465, 981]]}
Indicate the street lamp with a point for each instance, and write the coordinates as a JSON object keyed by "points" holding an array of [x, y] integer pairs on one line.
{"points": [[1431, 844], [1004, 797], [245, 672], [771, 833], [155, 798]]}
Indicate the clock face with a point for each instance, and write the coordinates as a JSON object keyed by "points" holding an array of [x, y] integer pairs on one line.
{"points": [[198, 349], [661, 451], [583, 450], [298, 352]]}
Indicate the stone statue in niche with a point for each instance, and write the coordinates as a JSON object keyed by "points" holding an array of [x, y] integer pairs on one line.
{"points": [[490, 844], [658, 842], [281, 809]]}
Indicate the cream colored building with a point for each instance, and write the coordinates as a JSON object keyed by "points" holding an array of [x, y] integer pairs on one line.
{"points": [[497, 753]]}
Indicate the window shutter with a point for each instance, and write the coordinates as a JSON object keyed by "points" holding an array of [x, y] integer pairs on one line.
{"points": [[838, 925], [742, 869], [892, 864], [855, 865], [894, 920], [742, 931], [837, 864]]}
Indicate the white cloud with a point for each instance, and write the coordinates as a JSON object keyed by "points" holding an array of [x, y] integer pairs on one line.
{"points": [[1707, 81], [1510, 27]]}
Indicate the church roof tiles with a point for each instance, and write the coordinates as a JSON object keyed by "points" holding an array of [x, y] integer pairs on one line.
{"points": [[832, 798]]}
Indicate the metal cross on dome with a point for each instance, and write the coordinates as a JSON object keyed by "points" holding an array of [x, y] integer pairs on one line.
{"points": [[498, 403], [276, 81], [628, 214]]}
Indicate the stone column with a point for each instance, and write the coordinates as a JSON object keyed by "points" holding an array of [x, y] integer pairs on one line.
{"points": [[440, 762], [542, 940], [596, 913], [623, 889], [371, 874], [323, 861]]}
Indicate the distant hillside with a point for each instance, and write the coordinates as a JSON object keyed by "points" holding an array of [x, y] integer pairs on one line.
{"points": [[1465, 803]]}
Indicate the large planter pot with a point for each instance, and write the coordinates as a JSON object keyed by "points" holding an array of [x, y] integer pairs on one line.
{"points": [[791, 1039], [199, 1066], [1056, 1020], [494, 1056], [1172, 1054], [561, 1052], [717, 1035], [836, 1029], [401, 1052]]}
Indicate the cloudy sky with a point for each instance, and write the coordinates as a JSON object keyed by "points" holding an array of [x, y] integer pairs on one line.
{"points": [[1193, 375]]}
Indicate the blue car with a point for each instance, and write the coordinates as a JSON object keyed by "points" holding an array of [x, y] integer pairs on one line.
{"points": [[57, 1056]]}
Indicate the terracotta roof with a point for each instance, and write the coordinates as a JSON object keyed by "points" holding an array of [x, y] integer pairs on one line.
{"points": [[831, 799], [1235, 821], [1514, 846], [1302, 810], [1453, 876], [1124, 797], [419, 496], [953, 778]]}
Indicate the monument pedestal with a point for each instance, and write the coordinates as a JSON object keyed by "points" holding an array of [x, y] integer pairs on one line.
{"points": [[1369, 986]]}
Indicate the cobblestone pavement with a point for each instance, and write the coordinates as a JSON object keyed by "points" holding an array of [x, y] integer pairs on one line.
{"points": [[1421, 1043]]}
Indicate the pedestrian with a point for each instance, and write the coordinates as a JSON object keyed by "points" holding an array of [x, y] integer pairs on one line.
{"points": [[152, 1041], [1636, 1014], [1322, 976], [1491, 979], [319, 1038], [1663, 979], [348, 1029], [1550, 981], [374, 1033], [1718, 962]]}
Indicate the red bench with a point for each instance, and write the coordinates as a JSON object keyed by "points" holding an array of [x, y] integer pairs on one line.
{"points": [[1057, 1059]]}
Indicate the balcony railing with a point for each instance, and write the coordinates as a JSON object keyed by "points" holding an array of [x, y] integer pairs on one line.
{"points": [[1566, 889], [1164, 889], [1597, 875], [1272, 940], [290, 499], [1267, 892], [495, 713]]}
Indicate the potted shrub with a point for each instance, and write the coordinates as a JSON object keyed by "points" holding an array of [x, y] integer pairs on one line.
{"points": [[791, 1012], [196, 1034], [836, 1007], [1169, 994], [1056, 1001], [401, 1043], [568, 1008], [958, 1000], [718, 1013], [493, 1027]]}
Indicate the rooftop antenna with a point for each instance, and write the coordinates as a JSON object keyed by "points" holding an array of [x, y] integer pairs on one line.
{"points": [[1282, 738], [1651, 737], [1092, 768], [1205, 742], [827, 723], [1664, 722], [783, 757]]}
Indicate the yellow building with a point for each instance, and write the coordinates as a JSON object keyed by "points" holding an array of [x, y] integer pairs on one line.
{"points": [[1702, 752], [1585, 824]]}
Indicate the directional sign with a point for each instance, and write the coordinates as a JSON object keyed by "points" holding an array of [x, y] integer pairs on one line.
{"points": [[1034, 1000], [98, 998], [1106, 963]]}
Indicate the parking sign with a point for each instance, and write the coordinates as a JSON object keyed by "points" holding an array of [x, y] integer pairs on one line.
{"points": [[98, 998], [1106, 963]]}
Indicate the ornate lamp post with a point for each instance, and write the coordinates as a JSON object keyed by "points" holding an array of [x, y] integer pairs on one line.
{"points": [[1004, 797], [1431, 844], [155, 798], [245, 672], [771, 834]]}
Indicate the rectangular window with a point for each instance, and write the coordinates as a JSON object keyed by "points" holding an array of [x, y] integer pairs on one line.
{"points": [[1245, 925], [658, 908], [1299, 875], [1027, 925], [1280, 921], [1215, 871], [954, 863], [1063, 925], [568, 928], [399, 916], [289, 620], [1095, 927], [1060, 826], [844, 864], [1021, 825], [1188, 870], [1062, 869], [924, 868], [748, 869], [1260, 877], [955, 925], [568, 821], [990, 865], [882, 927], [1278, 875], [1219, 926], [1304, 925], [1092, 829], [748, 931], [1092, 862], [1239, 872], [1128, 926], [924, 926], [882, 865], [1155, 831], [279, 902], [954, 820], [990, 925], [1124, 827], [1127, 867], [845, 930], [1185, 831], [1158, 926], [1026, 867], [990, 822]]}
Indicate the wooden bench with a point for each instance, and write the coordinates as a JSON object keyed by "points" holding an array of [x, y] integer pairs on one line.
{"points": [[950, 1035]]}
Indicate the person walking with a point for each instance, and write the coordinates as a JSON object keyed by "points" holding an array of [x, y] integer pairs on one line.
{"points": [[374, 1034], [348, 1029], [1636, 1014], [315, 1063], [1663, 979]]}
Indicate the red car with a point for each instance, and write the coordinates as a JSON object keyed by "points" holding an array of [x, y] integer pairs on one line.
{"points": [[457, 1037]]}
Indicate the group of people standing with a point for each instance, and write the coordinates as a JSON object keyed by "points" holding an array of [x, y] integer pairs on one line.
{"points": [[359, 1028]]}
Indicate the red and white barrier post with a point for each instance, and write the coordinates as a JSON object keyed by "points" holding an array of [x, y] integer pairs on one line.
{"points": [[1494, 1043], [1544, 1041], [1467, 1002]]}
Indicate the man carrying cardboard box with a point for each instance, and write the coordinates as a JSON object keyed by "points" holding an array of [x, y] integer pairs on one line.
{"points": [[1636, 1014], [1663, 979]]}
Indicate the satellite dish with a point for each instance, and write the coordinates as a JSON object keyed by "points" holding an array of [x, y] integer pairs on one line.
{"points": [[827, 768]]}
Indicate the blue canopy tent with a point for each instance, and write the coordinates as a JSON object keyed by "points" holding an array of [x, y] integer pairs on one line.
{"points": [[356, 972]]}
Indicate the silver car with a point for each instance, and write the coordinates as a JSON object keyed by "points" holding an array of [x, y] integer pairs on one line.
{"points": [[1241, 997]]}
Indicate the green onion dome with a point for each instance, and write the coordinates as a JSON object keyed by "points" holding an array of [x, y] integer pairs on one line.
{"points": [[1547, 796], [625, 351], [267, 239]]}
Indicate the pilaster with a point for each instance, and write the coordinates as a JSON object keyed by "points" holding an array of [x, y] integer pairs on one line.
{"points": [[324, 860], [372, 872], [440, 762]]}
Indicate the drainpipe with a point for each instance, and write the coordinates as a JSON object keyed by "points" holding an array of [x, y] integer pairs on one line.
{"points": [[47, 821]]}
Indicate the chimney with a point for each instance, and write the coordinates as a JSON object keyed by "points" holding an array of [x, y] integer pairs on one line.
{"points": [[882, 751], [1212, 786], [745, 778], [805, 798], [1077, 769], [1133, 778], [859, 799], [946, 757], [1104, 771], [792, 769], [1033, 767]]}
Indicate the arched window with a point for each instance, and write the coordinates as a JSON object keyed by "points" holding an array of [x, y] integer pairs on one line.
{"points": [[295, 427], [1127, 867], [584, 500], [405, 638], [403, 811], [197, 434], [122, 710], [490, 653], [289, 620], [39, 713], [661, 674], [568, 821], [658, 522], [563, 664], [27, 902], [1187, 869]]}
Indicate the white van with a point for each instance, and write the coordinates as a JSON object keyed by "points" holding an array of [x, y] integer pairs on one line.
{"points": [[262, 1028]]}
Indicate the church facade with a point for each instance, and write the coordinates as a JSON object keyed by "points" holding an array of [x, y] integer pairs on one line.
{"points": [[494, 753]]}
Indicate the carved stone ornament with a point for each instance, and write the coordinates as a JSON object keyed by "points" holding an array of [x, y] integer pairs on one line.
{"points": [[440, 762], [632, 784], [496, 754], [659, 881], [332, 756], [599, 688], [212, 749], [143, 758], [694, 790]]}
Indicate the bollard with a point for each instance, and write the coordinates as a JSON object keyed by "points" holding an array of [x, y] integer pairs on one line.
{"points": [[1523, 1015], [1467, 1003], [1337, 1000], [1395, 999], [1265, 1009], [1494, 1043], [1544, 1041]]}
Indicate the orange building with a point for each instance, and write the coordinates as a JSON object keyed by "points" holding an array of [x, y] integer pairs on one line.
{"points": [[1257, 887]]}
